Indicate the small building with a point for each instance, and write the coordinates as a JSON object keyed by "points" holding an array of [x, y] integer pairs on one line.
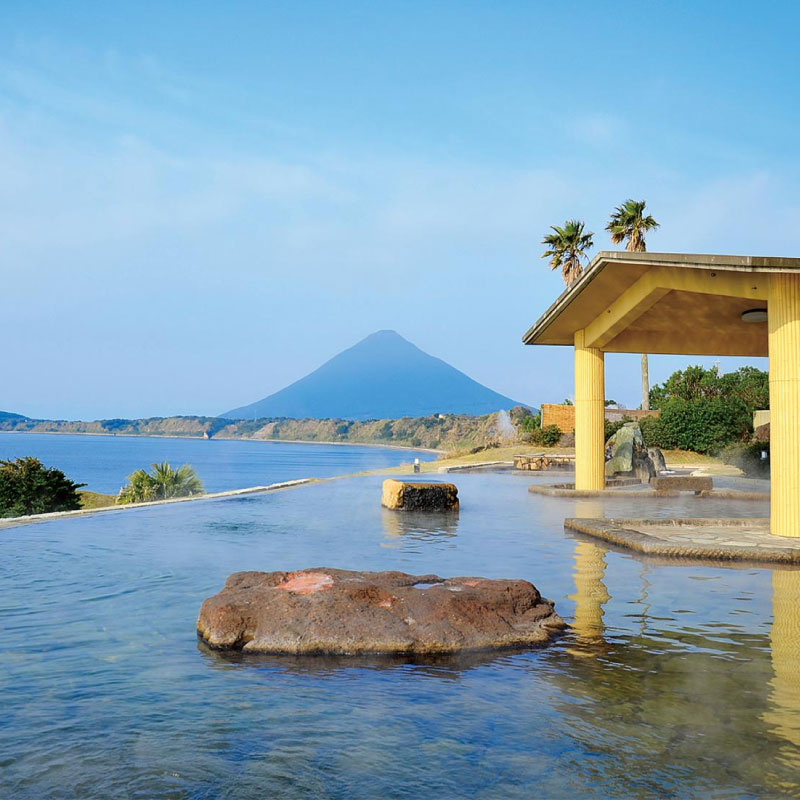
{"points": [[686, 305], [564, 416]]}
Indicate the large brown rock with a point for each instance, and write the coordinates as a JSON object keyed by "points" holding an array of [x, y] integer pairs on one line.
{"points": [[325, 610], [416, 496]]}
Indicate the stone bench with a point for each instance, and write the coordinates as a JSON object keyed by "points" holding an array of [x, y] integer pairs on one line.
{"points": [[414, 496], [682, 483]]}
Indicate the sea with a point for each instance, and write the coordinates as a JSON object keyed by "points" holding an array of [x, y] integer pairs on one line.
{"points": [[103, 463]]}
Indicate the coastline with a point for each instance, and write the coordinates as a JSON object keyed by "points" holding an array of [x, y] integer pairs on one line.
{"points": [[228, 439]]}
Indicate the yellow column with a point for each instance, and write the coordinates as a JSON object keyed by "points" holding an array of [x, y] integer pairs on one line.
{"points": [[784, 400], [589, 416]]}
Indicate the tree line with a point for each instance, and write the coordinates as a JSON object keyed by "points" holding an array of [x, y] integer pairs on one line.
{"points": [[29, 487]]}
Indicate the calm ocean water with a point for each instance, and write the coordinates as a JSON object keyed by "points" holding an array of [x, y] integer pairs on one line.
{"points": [[104, 462], [676, 680]]}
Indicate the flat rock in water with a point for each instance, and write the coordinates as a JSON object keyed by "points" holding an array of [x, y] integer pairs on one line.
{"points": [[325, 610], [419, 496]]}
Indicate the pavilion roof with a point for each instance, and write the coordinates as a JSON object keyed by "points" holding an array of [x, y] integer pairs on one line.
{"points": [[664, 303]]}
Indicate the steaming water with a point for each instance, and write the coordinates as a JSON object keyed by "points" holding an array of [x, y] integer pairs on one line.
{"points": [[677, 681], [104, 462]]}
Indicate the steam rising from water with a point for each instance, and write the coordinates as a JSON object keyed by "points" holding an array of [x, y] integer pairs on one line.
{"points": [[506, 432]]}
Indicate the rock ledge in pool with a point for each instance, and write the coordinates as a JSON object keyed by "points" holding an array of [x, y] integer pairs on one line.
{"points": [[323, 610], [417, 496]]}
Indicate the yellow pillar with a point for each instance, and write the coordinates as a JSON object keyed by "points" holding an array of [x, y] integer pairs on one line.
{"points": [[784, 399], [589, 416]]}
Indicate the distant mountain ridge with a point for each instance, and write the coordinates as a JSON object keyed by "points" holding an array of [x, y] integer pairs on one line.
{"points": [[381, 377], [10, 415]]}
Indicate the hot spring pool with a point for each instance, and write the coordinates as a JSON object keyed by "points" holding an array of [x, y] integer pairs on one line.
{"points": [[676, 681]]}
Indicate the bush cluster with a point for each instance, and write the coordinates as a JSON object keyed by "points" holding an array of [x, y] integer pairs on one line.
{"points": [[28, 487], [162, 484], [547, 436], [704, 411], [704, 425]]}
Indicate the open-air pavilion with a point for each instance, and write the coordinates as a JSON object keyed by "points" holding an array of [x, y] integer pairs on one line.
{"points": [[690, 305], [683, 304]]}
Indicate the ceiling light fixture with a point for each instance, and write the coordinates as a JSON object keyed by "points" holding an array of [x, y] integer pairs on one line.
{"points": [[755, 315]]}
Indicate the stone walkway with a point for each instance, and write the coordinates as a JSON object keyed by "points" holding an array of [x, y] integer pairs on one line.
{"points": [[744, 539], [641, 491]]}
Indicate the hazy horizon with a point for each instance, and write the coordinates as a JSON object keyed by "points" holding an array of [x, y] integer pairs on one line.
{"points": [[201, 205]]}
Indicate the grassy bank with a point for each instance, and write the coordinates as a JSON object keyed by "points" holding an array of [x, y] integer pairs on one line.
{"points": [[96, 499]]}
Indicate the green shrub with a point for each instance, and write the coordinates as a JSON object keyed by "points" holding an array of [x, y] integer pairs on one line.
{"points": [[704, 425], [546, 437], [652, 432], [528, 424], [550, 434], [28, 487], [748, 384], [163, 483]]}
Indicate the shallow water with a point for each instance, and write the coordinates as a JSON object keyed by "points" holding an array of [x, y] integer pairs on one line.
{"points": [[676, 681], [104, 462]]}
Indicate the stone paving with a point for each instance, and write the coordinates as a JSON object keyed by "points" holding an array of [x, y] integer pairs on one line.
{"points": [[743, 539], [642, 491]]}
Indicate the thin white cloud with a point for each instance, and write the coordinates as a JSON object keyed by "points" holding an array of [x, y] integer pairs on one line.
{"points": [[599, 129]]}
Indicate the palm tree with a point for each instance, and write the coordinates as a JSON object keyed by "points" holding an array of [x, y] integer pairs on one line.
{"points": [[163, 483], [139, 489], [629, 222], [567, 246]]}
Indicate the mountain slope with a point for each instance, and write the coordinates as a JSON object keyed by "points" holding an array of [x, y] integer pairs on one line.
{"points": [[382, 377], [10, 416]]}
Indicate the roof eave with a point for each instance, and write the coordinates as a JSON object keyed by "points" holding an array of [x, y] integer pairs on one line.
{"points": [[679, 260], [596, 265]]}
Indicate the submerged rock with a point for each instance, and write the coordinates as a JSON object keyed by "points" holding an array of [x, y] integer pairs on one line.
{"points": [[325, 610], [416, 496]]}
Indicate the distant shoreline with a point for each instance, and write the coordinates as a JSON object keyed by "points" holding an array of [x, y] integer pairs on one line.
{"points": [[228, 439]]}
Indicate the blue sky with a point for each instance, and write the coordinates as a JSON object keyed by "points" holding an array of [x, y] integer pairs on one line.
{"points": [[201, 202]]}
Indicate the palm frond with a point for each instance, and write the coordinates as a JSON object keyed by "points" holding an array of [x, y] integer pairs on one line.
{"points": [[567, 247], [627, 222]]}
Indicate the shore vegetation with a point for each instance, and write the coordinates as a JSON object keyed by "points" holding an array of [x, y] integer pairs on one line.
{"points": [[162, 483], [29, 487]]}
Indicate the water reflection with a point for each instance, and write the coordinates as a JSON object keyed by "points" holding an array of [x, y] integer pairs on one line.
{"points": [[443, 665], [590, 596], [419, 525], [783, 714]]}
